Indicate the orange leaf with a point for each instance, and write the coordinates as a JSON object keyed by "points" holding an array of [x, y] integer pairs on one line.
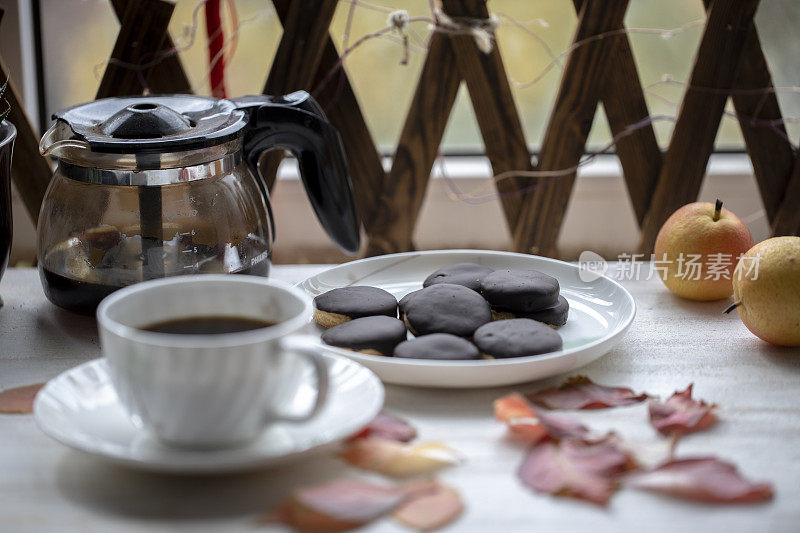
{"points": [[530, 425], [396, 459], [19, 400], [431, 509], [512, 406]]}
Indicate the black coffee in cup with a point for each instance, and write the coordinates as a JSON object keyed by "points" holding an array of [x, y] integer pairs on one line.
{"points": [[207, 325]]}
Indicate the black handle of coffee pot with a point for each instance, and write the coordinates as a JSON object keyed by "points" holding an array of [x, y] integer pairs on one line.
{"points": [[295, 122]]}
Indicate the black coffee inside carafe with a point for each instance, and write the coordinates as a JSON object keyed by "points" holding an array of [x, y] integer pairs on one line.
{"points": [[79, 274], [84, 297], [207, 325], [73, 294]]}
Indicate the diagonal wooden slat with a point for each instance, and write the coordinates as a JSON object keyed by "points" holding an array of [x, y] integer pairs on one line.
{"points": [[168, 76], [564, 143], [341, 105], [143, 31], [494, 106], [404, 189], [624, 104], [298, 56], [364, 162], [770, 151], [716, 66], [301, 46], [601, 71]]}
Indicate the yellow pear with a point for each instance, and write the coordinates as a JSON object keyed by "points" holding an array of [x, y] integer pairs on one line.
{"points": [[697, 248], [766, 290]]}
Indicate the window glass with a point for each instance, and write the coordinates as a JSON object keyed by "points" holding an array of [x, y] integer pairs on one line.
{"points": [[79, 35]]}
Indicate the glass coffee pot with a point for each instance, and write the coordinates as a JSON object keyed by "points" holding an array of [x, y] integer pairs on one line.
{"points": [[154, 186]]}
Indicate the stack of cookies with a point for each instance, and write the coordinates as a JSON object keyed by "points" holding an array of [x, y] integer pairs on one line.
{"points": [[463, 311]]}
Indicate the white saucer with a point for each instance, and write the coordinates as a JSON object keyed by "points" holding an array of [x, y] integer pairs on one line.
{"points": [[80, 408], [600, 313]]}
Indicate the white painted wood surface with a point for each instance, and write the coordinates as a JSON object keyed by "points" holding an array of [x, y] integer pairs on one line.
{"points": [[47, 487]]}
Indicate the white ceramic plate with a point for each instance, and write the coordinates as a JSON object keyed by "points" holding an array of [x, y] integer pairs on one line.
{"points": [[80, 408], [600, 312]]}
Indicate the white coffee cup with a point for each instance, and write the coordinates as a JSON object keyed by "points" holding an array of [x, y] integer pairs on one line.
{"points": [[211, 390]]}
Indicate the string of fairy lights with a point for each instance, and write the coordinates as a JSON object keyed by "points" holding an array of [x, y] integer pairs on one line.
{"points": [[405, 31]]}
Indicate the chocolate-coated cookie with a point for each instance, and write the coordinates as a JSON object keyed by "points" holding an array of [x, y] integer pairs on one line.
{"points": [[377, 335], [467, 274], [405, 299], [346, 303], [520, 291], [446, 308], [516, 337], [437, 347], [555, 316]]}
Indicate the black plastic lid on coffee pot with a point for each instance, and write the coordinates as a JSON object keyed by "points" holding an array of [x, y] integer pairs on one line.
{"points": [[150, 124], [175, 123]]}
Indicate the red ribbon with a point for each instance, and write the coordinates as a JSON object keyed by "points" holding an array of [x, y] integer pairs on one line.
{"points": [[216, 59]]}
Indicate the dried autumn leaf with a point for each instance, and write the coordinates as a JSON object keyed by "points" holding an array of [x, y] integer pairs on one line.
{"points": [[430, 509], [704, 479], [19, 400], [580, 392], [396, 459], [556, 427], [512, 406], [300, 518], [681, 414], [513, 409], [589, 471], [390, 427], [337, 506], [530, 425]]}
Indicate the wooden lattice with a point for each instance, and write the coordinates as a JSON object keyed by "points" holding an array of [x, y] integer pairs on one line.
{"points": [[730, 40], [388, 203]]}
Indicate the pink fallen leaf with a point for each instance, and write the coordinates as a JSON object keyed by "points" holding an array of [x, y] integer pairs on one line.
{"points": [[531, 425], [580, 392], [430, 509], [704, 479], [389, 426], [296, 516], [19, 400], [585, 470], [337, 506], [681, 414], [556, 427], [396, 459]]}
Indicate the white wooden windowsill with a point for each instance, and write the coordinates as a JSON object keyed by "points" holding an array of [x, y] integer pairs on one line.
{"points": [[599, 216]]}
